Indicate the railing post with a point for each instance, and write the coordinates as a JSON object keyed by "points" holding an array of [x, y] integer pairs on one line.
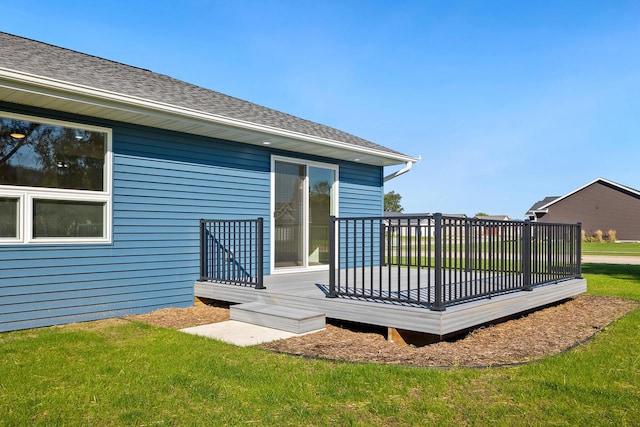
{"points": [[260, 254], [332, 257], [203, 259], [551, 248], [383, 239], [467, 246], [526, 255], [579, 251], [438, 304]]}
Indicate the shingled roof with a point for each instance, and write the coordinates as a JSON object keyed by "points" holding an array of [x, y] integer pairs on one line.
{"points": [[539, 204], [64, 65]]}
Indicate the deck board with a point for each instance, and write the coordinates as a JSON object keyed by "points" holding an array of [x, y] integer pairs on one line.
{"points": [[308, 291]]}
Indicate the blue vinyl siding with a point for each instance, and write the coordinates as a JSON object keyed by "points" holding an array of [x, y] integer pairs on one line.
{"points": [[361, 190], [163, 183], [361, 194]]}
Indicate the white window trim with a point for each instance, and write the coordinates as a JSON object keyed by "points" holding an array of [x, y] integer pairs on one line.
{"points": [[335, 199], [26, 195], [20, 229]]}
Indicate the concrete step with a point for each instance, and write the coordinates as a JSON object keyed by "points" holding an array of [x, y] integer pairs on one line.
{"points": [[273, 316]]}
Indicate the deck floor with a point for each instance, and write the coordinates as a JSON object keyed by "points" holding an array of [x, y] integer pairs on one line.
{"points": [[308, 290]]}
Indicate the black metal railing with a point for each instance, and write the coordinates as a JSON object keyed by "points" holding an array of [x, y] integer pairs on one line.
{"points": [[231, 251], [437, 261]]}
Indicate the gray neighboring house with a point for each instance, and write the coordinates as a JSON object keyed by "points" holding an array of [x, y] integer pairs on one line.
{"points": [[494, 217], [538, 209], [401, 222], [599, 205]]}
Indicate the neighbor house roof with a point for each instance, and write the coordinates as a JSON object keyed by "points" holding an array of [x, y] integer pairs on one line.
{"points": [[543, 205], [43, 75], [493, 217], [539, 205]]}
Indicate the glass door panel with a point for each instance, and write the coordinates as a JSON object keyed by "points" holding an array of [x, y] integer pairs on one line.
{"points": [[289, 215], [321, 182]]}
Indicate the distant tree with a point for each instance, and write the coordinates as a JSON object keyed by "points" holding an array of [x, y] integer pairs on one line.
{"points": [[392, 202], [482, 214]]}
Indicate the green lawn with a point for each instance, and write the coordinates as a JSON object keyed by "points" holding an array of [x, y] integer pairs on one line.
{"points": [[588, 248], [124, 373], [622, 249]]}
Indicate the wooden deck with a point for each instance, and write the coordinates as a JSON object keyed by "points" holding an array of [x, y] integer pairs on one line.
{"points": [[308, 291]]}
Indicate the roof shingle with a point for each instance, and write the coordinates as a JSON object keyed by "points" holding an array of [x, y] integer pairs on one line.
{"points": [[45, 60]]}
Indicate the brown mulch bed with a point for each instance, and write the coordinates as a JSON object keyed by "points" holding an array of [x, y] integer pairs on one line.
{"points": [[180, 318], [545, 332]]}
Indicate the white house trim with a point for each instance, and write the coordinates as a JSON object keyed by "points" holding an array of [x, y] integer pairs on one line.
{"points": [[201, 122]]}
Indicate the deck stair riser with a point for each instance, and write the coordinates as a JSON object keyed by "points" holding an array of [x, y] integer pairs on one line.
{"points": [[278, 317]]}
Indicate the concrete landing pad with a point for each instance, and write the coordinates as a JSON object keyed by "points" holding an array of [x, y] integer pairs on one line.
{"points": [[240, 333]]}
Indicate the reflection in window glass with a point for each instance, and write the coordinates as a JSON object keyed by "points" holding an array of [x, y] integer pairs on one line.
{"points": [[8, 217], [321, 181], [64, 218], [45, 155], [289, 215]]}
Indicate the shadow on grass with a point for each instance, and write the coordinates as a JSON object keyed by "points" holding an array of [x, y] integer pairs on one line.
{"points": [[619, 271]]}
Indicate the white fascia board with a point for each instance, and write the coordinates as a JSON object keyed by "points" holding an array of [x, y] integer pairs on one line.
{"points": [[620, 186], [81, 93]]}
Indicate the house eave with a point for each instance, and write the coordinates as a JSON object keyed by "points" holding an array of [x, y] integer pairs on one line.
{"points": [[37, 91]]}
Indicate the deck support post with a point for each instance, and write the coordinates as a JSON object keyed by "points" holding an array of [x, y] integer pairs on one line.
{"points": [[438, 304], [333, 242], [405, 337]]}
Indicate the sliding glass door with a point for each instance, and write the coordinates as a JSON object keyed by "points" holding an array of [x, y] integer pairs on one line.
{"points": [[289, 215], [304, 198]]}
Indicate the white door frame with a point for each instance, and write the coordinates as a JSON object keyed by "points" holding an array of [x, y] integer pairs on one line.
{"points": [[333, 209]]}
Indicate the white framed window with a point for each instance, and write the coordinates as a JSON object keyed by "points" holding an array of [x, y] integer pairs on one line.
{"points": [[55, 181], [11, 214]]}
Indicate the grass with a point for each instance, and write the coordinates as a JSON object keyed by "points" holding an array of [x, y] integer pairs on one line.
{"points": [[588, 248], [622, 249], [125, 373]]}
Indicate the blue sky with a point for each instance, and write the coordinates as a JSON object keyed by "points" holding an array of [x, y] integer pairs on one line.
{"points": [[506, 101]]}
